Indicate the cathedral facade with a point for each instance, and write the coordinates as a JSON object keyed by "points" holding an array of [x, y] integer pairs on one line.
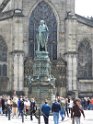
{"points": [[70, 45]]}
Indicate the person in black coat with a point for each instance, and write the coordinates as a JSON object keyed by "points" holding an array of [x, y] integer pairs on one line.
{"points": [[56, 108], [3, 105], [33, 108]]}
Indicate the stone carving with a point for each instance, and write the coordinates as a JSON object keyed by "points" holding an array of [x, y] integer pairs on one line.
{"points": [[42, 36]]}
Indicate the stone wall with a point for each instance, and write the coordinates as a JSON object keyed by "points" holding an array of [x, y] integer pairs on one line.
{"points": [[85, 32]]}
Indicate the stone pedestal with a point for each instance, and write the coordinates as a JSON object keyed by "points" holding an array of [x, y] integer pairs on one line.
{"points": [[42, 91], [43, 83], [42, 66]]}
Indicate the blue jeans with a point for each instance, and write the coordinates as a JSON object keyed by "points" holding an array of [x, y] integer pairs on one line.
{"points": [[0, 110], [62, 113], [56, 117]]}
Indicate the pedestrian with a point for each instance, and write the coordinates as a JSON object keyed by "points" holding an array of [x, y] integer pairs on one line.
{"points": [[45, 109], [21, 108], [21, 105], [62, 113], [9, 107], [56, 107], [66, 107], [33, 109], [70, 104], [6, 105], [14, 106], [3, 104], [26, 106], [76, 112]]}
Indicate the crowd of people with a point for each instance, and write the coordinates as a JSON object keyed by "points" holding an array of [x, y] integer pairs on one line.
{"points": [[63, 107], [18, 106], [87, 103]]}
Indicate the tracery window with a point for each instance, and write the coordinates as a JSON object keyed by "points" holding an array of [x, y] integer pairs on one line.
{"points": [[43, 11], [3, 58], [84, 60]]}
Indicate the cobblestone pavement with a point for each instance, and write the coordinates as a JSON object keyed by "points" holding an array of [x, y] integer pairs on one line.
{"points": [[87, 120]]}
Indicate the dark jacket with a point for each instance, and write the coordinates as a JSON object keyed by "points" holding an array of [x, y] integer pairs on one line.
{"points": [[45, 109], [21, 105], [3, 103], [33, 106], [76, 111], [56, 107]]}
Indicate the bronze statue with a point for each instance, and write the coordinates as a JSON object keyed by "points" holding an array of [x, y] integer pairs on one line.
{"points": [[42, 36]]}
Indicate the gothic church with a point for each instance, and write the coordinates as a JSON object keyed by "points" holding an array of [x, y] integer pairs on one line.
{"points": [[70, 45]]}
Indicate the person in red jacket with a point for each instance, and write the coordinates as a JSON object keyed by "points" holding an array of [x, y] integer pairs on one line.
{"points": [[76, 112]]}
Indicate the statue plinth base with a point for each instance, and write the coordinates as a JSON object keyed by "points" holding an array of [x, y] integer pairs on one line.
{"points": [[43, 83], [42, 91], [42, 66]]}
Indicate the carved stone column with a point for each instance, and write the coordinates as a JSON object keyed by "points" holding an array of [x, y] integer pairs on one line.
{"points": [[72, 73], [18, 69], [15, 69], [69, 72], [21, 72], [71, 54], [18, 46]]}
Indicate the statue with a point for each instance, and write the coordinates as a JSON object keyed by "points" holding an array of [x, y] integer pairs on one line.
{"points": [[42, 36]]}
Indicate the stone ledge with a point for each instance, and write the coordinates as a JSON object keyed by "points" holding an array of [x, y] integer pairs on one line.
{"points": [[84, 20], [86, 81], [11, 14], [6, 15]]}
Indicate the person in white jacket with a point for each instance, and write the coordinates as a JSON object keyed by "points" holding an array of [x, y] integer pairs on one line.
{"points": [[70, 105]]}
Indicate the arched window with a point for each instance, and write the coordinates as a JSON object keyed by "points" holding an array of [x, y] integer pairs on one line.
{"points": [[43, 11], [84, 60], [3, 58]]}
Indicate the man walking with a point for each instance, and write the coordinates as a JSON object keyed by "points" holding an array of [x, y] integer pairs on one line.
{"points": [[45, 109], [33, 109], [56, 108]]}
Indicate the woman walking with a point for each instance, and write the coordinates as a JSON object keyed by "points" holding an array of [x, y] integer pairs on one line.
{"points": [[76, 112]]}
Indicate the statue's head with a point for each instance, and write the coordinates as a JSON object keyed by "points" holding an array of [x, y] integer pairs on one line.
{"points": [[42, 22]]}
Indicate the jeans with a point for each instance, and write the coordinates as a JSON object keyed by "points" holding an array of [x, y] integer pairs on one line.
{"points": [[62, 113], [0, 110], [76, 120], [46, 119], [56, 117]]}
